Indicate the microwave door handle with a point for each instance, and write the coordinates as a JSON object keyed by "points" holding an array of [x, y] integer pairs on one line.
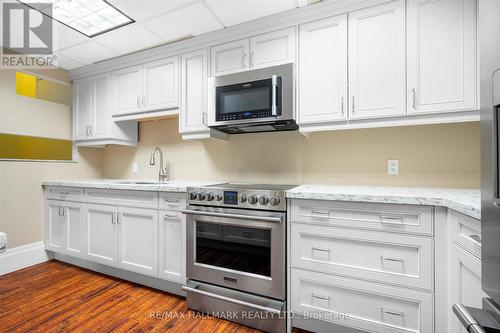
{"points": [[274, 106]]}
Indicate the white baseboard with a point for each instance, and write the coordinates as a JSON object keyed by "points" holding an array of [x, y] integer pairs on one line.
{"points": [[23, 256]]}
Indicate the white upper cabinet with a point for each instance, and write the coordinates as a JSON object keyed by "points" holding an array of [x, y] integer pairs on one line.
{"points": [[230, 57], [272, 48], [92, 121], [377, 61], [323, 70], [153, 86], [441, 56], [161, 84], [268, 49]]}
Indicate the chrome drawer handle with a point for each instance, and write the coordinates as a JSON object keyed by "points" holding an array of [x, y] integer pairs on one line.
{"points": [[392, 312], [320, 212], [320, 249], [167, 216], [172, 201], [391, 219], [64, 193], [323, 298], [401, 260], [477, 238]]}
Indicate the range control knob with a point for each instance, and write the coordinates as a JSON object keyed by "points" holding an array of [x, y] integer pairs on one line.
{"points": [[274, 201], [263, 200], [210, 196], [253, 199], [243, 198], [192, 196], [201, 196], [219, 197]]}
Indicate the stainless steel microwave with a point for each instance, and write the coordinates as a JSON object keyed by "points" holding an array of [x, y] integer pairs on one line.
{"points": [[258, 100]]}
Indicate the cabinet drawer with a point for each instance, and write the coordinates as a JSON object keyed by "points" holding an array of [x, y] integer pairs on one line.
{"points": [[172, 201], [361, 305], [64, 193], [385, 217], [395, 259], [141, 199], [466, 232]]}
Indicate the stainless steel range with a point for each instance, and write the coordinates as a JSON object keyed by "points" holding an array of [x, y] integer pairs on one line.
{"points": [[236, 245]]}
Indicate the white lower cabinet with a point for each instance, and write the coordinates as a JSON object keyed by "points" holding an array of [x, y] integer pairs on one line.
{"points": [[466, 283], [124, 237], [362, 305], [63, 227], [172, 256]]}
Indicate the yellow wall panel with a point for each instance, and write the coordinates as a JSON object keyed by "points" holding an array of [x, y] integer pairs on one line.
{"points": [[26, 84], [34, 148]]}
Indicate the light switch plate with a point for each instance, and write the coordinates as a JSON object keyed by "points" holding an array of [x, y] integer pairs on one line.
{"points": [[135, 167], [393, 167]]}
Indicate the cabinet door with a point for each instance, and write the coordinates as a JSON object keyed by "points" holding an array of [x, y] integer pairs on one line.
{"points": [[101, 234], [466, 283], [73, 220], [83, 106], [193, 110], [161, 84], [172, 246], [101, 117], [274, 48], [441, 56], [127, 90], [377, 61], [138, 240], [54, 226], [230, 57], [323, 70]]}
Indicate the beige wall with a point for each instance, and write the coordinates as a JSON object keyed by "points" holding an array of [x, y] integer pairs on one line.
{"points": [[433, 155], [21, 196]]}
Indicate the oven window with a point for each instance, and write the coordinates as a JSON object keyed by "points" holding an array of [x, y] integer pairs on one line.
{"points": [[242, 249], [245, 100]]}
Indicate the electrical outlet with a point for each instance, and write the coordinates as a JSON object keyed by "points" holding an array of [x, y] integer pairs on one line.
{"points": [[135, 168], [393, 167]]}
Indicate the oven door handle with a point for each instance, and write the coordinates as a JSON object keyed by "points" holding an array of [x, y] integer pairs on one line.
{"points": [[231, 300], [234, 216]]}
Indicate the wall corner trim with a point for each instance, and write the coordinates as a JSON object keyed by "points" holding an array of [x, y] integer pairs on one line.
{"points": [[23, 256]]}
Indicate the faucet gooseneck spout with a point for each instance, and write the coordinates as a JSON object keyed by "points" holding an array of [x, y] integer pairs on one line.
{"points": [[162, 174]]}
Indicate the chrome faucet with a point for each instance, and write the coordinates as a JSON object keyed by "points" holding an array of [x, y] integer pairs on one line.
{"points": [[162, 174]]}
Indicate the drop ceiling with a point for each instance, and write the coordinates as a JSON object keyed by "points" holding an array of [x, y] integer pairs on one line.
{"points": [[158, 22]]}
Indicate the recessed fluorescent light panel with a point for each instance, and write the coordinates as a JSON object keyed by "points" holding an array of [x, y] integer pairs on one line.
{"points": [[89, 17]]}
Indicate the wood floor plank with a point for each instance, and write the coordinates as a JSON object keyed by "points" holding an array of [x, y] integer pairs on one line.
{"points": [[55, 297]]}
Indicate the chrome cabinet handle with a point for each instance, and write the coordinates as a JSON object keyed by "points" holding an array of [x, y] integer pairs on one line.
{"points": [[204, 119], [353, 108], [477, 238], [391, 219], [342, 106], [138, 101], [172, 201], [91, 130], [64, 193], [251, 59], [59, 213], [320, 212], [169, 216], [323, 298], [392, 312], [413, 103], [383, 258], [143, 100], [243, 65], [320, 249], [113, 218], [234, 216], [119, 218]]}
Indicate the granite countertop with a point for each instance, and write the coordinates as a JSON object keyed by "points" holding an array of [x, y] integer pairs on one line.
{"points": [[465, 201], [131, 184]]}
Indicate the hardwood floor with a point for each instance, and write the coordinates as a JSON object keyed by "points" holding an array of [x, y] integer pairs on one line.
{"points": [[58, 297]]}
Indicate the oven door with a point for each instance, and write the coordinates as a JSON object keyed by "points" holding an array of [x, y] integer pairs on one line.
{"points": [[248, 101], [237, 249]]}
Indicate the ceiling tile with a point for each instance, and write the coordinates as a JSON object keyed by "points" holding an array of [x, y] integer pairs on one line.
{"points": [[129, 39], [232, 12], [88, 53], [66, 37], [193, 20], [67, 63], [144, 9]]}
